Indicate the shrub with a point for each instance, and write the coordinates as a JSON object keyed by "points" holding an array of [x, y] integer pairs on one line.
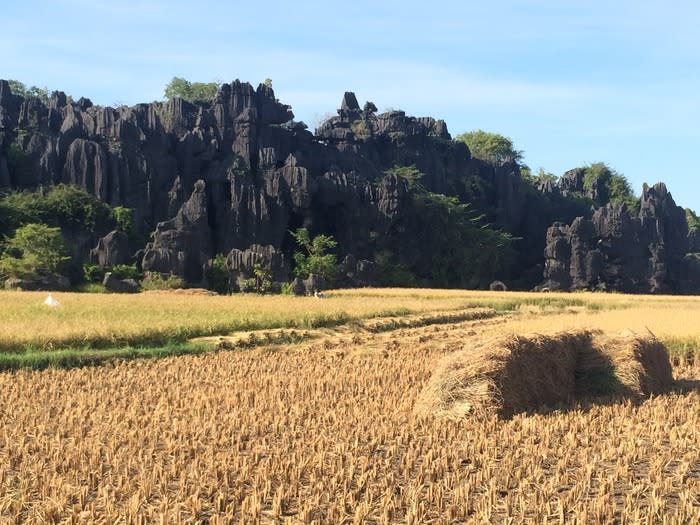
{"points": [[123, 219], [93, 273], [156, 281], [91, 288], [411, 174], [692, 220], [612, 186], [316, 260], [491, 147], [35, 249], [180, 87], [218, 276], [63, 205], [126, 271], [261, 282]]}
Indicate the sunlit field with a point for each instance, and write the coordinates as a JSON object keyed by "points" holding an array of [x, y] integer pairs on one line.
{"points": [[111, 319], [323, 430]]}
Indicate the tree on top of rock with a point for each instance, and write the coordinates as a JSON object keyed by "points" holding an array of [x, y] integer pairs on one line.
{"points": [[180, 87], [604, 184], [491, 147], [19, 88]]}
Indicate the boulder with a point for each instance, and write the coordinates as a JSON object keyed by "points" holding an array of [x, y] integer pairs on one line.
{"points": [[112, 284], [298, 287], [112, 249], [498, 286], [314, 283]]}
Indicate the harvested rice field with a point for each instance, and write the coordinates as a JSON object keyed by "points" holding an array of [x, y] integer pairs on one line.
{"points": [[289, 421]]}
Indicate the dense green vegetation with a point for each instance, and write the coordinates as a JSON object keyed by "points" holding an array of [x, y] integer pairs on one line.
{"points": [[315, 258], [63, 206], [19, 88], [35, 227], [610, 185], [463, 250], [33, 250], [179, 87], [217, 275], [490, 147], [411, 174], [538, 178]]}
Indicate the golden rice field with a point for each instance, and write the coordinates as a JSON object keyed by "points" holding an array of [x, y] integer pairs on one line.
{"points": [[323, 430], [112, 319]]}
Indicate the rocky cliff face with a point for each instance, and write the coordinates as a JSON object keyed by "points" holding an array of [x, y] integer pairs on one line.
{"points": [[235, 174], [262, 174], [616, 250]]}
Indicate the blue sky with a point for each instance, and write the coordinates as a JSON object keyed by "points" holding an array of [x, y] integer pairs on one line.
{"points": [[569, 82]]}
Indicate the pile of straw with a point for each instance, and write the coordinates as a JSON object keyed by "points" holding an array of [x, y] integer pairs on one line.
{"points": [[515, 373]]}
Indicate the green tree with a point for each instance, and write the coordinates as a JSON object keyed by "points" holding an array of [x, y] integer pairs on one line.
{"points": [[464, 251], [35, 249], [63, 205], [612, 186], [19, 88], [540, 177], [411, 174], [491, 147], [123, 219], [180, 87], [217, 275], [316, 260], [126, 271], [457, 247], [261, 282]]}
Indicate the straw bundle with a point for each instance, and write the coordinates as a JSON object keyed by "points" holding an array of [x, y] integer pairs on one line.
{"points": [[516, 373]]}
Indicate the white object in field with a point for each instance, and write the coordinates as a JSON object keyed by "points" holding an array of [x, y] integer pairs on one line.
{"points": [[50, 301], [319, 295]]}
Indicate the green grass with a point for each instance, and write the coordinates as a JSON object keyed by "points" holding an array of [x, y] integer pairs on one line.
{"points": [[79, 357], [546, 304], [179, 335]]}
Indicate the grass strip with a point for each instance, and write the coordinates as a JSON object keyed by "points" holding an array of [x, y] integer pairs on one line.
{"points": [[80, 357], [182, 334]]}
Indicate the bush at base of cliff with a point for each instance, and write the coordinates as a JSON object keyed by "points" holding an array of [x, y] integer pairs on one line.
{"points": [[34, 250], [126, 271], [218, 276], [93, 273], [316, 260], [156, 281], [261, 282]]}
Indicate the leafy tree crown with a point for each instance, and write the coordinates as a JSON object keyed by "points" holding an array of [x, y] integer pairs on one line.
{"points": [[34, 249], [316, 260], [491, 147], [180, 87]]}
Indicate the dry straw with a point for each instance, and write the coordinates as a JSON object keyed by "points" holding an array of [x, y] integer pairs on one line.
{"points": [[516, 373]]}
